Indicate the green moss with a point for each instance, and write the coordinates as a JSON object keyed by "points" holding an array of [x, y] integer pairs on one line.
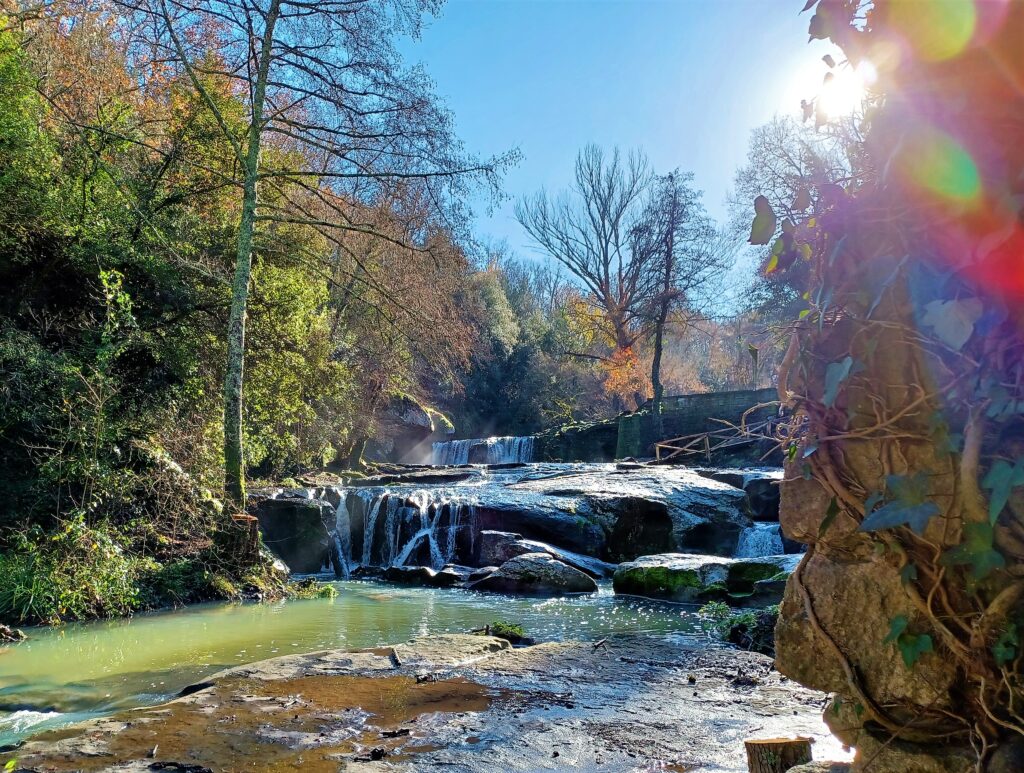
{"points": [[743, 575], [504, 629], [658, 581]]}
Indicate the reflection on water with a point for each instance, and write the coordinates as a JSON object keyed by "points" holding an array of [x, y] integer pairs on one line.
{"points": [[66, 674]]}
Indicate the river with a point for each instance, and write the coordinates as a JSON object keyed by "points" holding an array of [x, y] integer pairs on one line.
{"points": [[78, 671]]}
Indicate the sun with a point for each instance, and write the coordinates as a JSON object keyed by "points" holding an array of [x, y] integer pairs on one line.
{"points": [[844, 92]]}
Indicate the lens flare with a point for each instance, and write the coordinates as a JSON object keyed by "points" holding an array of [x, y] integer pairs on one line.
{"points": [[935, 29], [936, 162], [845, 91]]}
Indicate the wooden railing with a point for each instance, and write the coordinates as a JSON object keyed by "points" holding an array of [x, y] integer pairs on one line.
{"points": [[707, 443]]}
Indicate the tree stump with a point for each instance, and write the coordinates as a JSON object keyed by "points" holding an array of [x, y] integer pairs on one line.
{"points": [[777, 755]]}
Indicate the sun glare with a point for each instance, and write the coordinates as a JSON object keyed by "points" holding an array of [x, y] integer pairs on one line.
{"points": [[844, 92]]}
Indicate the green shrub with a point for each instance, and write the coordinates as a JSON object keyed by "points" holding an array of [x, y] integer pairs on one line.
{"points": [[512, 632], [752, 629], [311, 589], [74, 573]]}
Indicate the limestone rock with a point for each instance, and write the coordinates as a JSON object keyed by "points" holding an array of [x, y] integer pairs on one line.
{"points": [[296, 531], [536, 574], [691, 578], [855, 602]]}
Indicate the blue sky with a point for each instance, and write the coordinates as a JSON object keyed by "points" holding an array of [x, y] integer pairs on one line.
{"points": [[683, 80]]}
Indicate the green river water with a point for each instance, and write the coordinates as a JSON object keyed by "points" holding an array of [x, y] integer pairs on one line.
{"points": [[66, 674]]}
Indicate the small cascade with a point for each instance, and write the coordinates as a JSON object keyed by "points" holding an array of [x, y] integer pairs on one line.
{"points": [[492, 450], [343, 536], [509, 450], [403, 527], [761, 539], [450, 452]]}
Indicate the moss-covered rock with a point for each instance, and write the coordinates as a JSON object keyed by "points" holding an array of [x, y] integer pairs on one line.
{"points": [[693, 578]]}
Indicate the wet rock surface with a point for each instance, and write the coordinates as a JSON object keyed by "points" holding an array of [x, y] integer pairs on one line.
{"points": [[458, 703], [536, 574]]}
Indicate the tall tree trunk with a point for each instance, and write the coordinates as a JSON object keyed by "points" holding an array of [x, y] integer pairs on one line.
{"points": [[234, 376], [656, 385], [234, 463], [659, 328]]}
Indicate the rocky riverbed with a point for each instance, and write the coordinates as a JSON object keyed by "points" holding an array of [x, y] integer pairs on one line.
{"points": [[458, 703]]}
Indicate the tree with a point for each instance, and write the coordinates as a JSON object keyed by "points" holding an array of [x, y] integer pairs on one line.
{"points": [[685, 256], [589, 230], [330, 118]]}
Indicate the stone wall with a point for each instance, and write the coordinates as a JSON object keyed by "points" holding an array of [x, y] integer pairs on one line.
{"points": [[688, 415], [634, 435]]}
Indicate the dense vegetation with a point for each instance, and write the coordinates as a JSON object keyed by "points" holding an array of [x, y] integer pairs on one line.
{"points": [[143, 247]]}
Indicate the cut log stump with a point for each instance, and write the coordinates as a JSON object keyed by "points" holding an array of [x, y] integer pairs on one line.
{"points": [[777, 755]]}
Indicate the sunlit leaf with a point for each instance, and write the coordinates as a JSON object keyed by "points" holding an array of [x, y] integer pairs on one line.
{"points": [[835, 374], [828, 60], [801, 201], [953, 321], [763, 227], [895, 514]]}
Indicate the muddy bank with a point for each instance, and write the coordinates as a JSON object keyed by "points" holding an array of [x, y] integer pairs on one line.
{"points": [[458, 703]]}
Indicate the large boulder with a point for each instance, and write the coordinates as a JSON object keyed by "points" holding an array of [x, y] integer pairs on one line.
{"points": [[620, 514], [297, 530], [536, 574], [497, 547], [760, 485], [691, 578]]}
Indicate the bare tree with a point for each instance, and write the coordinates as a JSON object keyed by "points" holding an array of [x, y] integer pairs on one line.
{"points": [[588, 230], [681, 251], [330, 117]]}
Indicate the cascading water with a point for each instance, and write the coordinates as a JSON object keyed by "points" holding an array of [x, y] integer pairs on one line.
{"points": [[761, 539], [343, 536], [496, 450]]}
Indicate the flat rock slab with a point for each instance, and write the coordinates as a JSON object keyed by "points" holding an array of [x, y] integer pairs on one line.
{"points": [[461, 704]]}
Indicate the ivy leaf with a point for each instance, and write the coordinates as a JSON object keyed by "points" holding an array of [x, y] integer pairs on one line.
{"points": [[763, 227], [828, 60], [896, 628], [976, 551], [913, 646], [830, 516], [809, 5], [953, 321], [835, 374], [897, 514], [908, 574], [909, 505], [1004, 650], [801, 201], [1001, 478]]}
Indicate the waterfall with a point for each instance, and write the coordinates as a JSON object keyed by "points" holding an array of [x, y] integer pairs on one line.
{"points": [[496, 450], [343, 535], [410, 520], [507, 450], [451, 452], [761, 539]]}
